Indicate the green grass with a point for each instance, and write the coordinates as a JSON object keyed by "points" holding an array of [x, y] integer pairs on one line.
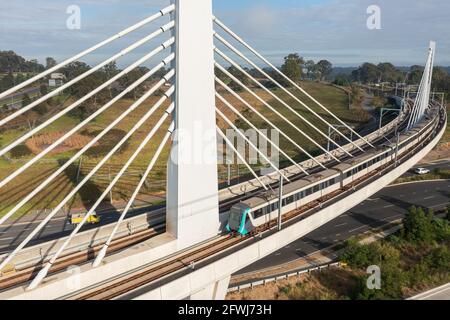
{"points": [[435, 175], [330, 96]]}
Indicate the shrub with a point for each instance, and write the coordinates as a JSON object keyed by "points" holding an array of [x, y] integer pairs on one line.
{"points": [[20, 151], [439, 259], [107, 143], [417, 226]]}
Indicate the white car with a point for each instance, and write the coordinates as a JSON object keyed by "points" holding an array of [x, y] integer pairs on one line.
{"points": [[421, 171]]}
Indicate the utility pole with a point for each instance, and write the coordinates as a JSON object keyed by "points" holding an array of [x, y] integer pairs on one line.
{"points": [[280, 202], [396, 149], [229, 172], [79, 168]]}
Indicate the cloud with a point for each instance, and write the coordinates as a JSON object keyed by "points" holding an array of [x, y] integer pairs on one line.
{"points": [[318, 29]]}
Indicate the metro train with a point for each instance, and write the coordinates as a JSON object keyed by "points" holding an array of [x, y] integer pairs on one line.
{"points": [[247, 215]]}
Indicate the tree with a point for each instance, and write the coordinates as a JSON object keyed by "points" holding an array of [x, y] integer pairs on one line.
{"points": [[26, 100], [310, 66], [324, 69], [415, 74], [7, 82], [342, 80], [292, 66], [390, 73], [110, 70], [43, 89], [417, 226], [367, 73], [50, 62], [240, 76]]}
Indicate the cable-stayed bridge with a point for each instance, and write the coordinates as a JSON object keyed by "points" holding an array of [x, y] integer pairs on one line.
{"points": [[190, 248]]}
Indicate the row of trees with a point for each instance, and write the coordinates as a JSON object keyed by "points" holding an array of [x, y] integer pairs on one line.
{"points": [[423, 237], [296, 68], [369, 73], [12, 62]]}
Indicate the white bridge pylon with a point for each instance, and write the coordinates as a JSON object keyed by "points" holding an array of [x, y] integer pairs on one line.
{"points": [[190, 107], [422, 100]]}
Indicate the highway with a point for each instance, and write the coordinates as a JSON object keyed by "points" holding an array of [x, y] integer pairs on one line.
{"points": [[11, 236], [439, 164], [388, 205]]}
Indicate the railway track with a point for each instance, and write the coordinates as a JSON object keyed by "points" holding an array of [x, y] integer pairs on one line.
{"points": [[25, 275], [149, 274]]}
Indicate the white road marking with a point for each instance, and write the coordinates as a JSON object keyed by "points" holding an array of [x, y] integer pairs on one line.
{"points": [[389, 206], [356, 229], [439, 205], [340, 225], [428, 198]]}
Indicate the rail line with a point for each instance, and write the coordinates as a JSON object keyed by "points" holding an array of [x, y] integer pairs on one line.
{"points": [[25, 275], [152, 273]]}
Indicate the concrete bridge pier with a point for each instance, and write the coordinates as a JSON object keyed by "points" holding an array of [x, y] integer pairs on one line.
{"points": [[192, 190]]}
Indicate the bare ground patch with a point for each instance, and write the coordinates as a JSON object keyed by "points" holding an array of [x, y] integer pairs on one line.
{"points": [[40, 142]]}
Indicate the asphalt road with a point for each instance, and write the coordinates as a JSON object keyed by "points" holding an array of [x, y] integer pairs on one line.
{"points": [[11, 236], [442, 164], [388, 205]]}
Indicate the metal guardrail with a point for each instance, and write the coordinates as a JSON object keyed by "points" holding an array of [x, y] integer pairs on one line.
{"points": [[283, 276]]}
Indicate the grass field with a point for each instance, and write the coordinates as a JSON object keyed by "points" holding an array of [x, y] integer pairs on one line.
{"points": [[334, 98]]}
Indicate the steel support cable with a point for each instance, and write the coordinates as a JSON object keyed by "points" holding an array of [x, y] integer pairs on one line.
{"points": [[428, 83], [230, 144], [133, 107], [245, 44], [226, 58], [43, 273], [103, 251], [125, 51], [234, 94], [251, 144], [274, 110], [88, 176], [122, 33], [421, 95], [242, 56], [232, 108], [412, 119], [47, 150], [418, 104]]}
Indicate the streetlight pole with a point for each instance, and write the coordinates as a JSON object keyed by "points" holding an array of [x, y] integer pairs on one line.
{"points": [[280, 202], [229, 172]]}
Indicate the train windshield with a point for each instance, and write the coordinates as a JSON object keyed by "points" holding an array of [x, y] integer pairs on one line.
{"points": [[235, 218]]}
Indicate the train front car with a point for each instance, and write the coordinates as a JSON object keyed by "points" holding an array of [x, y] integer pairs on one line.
{"points": [[237, 220]]}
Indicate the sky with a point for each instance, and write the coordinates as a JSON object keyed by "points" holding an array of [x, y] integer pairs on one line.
{"points": [[317, 29]]}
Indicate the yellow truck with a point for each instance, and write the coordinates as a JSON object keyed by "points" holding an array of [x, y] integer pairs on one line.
{"points": [[76, 218]]}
